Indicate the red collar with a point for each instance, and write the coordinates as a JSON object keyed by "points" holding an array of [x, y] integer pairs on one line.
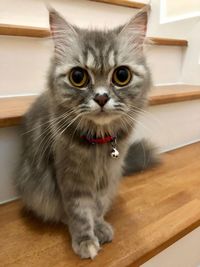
{"points": [[104, 140]]}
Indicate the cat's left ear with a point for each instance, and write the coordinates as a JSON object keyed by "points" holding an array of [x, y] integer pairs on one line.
{"points": [[135, 30]]}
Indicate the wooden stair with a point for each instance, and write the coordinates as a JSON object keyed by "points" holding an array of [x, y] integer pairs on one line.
{"points": [[125, 3], [28, 31], [13, 108], [152, 210]]}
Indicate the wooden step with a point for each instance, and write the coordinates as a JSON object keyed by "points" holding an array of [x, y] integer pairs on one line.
{"points": [[152, 211], [28, 31], [21, 30], [167, 41], [13, 108], [126, 3], [174, 93]]}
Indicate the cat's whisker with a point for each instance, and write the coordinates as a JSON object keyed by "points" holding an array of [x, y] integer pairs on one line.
{"points": [[76, 128], [144, 112], [44, 141], [65, 128], [64, 119], [144, 153], [47, 122], [55, 135], [146, 115], [136, 121], [125, 124]]}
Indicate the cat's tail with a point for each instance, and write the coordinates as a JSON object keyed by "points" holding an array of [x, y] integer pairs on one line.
{"points": [[141, 155]]}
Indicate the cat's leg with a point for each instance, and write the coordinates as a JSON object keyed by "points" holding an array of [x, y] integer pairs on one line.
{"points": [[103, 230], [80, 219]]}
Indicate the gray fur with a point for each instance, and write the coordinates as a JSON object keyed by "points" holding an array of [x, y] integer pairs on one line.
{"points": [[141, 155], [61, 177]]}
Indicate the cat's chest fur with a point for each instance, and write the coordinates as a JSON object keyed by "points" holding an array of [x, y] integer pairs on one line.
{"points": [[93, 164]]}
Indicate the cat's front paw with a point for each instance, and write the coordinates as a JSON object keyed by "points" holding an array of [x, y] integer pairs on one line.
{"points": [[104, 232], [87, 248]]}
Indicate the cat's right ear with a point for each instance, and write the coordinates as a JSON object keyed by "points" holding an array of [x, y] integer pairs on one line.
{"points": [[134, 32], [63, 33]]}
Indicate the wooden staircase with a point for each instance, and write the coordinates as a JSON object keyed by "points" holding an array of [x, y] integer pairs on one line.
{"points": [[153, 210]]}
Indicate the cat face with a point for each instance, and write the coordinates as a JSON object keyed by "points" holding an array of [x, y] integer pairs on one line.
{"points": [[101, 75]]}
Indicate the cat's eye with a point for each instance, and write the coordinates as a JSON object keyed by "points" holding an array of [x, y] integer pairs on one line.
{"points": [[78, 77], [121, 76]]}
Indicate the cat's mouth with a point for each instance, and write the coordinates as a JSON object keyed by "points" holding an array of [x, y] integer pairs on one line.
{"points": [[102, 111], [103, 116]]}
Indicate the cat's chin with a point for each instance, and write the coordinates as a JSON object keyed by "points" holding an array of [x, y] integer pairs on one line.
{"points": [[102, 118]]}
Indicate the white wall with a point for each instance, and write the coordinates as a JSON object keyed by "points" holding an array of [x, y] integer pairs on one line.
{"points": [[23, 65], [81, 12], [165, 63], [191, 59], [158, 25], [176, 10]]}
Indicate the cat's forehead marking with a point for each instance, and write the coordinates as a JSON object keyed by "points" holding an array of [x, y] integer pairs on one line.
{"points": [[99, 53], [90, 60], [111, 58]]}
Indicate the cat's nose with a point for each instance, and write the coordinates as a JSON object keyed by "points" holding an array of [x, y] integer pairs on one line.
{"points": [[101, 99]]}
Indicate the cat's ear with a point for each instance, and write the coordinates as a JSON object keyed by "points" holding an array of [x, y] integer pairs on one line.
{"points": [[63, 33], [135, 30]]}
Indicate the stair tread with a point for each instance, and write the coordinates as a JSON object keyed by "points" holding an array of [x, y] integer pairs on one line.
{"points": [[30, 31], [13, 108], [152, 210], [166, 94], [126, 3]]}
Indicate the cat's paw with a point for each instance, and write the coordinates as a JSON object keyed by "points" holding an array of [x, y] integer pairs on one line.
{"points": [[104, 232], [87, 248]]}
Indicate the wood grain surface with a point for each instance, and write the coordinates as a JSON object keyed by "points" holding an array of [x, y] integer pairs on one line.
{"points": [[13, 108], [20, 30], [167, 41], [126, 3], [173, 93], [152, 210]]}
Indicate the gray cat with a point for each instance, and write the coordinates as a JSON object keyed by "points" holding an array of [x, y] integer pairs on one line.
{"points": [[77, 133]]}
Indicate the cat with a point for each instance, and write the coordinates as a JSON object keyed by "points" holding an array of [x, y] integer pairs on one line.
{"points": [[77, 134]]}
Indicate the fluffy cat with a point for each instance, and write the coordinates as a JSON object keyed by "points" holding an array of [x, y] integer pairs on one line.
{"points": [[97, 84]]}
